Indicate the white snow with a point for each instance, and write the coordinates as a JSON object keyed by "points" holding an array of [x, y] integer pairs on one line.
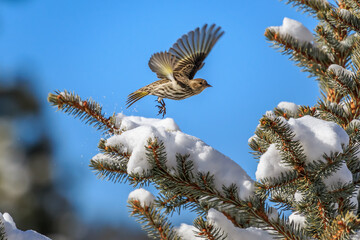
{"points": [[270, 164], [354, 199], [298, 196], [205, 158], [295, 29], [12, 233], [187, 232], [298, 219], [218, 220], [102, 157], [131, 122], [273, 214], [316, 137], [289, 107], [270, 114], [342, 175], [337, 69], [143, 196], [355, 122], [345, 12], [253, 137], [356, 236]]}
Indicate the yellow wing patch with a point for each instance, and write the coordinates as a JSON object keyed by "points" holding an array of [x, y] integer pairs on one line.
{"points": [[163, 64]]}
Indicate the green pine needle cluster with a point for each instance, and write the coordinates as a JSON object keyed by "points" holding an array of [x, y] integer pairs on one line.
{"points": [[87, 110], [153, 220]]}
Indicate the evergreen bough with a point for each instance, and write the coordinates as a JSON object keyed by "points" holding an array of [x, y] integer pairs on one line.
{"points": [[329, 214]]}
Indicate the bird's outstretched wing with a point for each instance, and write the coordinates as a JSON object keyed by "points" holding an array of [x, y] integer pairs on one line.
{"points": [[163, 64], [191, 49]]}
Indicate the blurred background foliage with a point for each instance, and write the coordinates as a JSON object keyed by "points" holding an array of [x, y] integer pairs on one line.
{"points": [[28, 187]]}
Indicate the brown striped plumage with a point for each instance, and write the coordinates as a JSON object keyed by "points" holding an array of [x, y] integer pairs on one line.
{"points": [[177, 67]]}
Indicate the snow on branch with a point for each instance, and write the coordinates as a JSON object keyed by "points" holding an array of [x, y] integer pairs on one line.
{"points": [[305, 156], [144, 197], [217, 220], [12, 233], [294, 39], [302, 158], [317, 137], [155, 222], [343, 81], [347, 18], [137, 132], [339, 70], [295, 29]]}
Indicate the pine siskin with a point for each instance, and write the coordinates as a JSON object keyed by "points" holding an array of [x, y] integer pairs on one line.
{"points": [[177, 67]]}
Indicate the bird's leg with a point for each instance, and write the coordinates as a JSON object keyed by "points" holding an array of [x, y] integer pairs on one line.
{"points": [[162, 108]]}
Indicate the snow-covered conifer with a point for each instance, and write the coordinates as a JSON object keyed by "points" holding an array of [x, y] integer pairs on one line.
{"points": [[309, 165]]}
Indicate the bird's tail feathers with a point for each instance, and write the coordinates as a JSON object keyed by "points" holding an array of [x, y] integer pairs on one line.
{"points": [[134, 97]]}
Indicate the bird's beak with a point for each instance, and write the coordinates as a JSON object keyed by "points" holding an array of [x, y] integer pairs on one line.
{"points": [[208, 85]]}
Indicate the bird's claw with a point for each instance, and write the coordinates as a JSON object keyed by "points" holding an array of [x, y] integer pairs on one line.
{"points": [[162, 108]]}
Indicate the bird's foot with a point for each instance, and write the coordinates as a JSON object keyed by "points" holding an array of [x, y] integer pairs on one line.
{"points": [[162, 108]]}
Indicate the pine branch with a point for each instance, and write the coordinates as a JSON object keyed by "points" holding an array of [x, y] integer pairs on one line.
{"points": [[111, 171], [333, 112], [338, 192], [330, 37], [352, 160], [234, 218], [280, 183], [347, 18], [306, 110], [259, 143], [353, 130], [291, 151], [208, 231], [343, 83], [352, 4], [341, 227], [88, 111], [328, 209], [306, 179], [114, 151], [355, 57], [2, 231], [313, 7], [201, 190], [153, 221], [174, 203], [305, 54]]}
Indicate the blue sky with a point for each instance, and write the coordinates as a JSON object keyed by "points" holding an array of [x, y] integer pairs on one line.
{"points": [[100, 49]]}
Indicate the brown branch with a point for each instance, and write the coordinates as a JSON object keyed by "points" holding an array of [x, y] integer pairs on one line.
{"points": [[88, 110], [101, 167], [276, 37], [207, 232], [269, 187], [136, 205]]}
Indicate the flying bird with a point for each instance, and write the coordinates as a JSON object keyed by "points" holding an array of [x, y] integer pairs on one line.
{"points": [[177, 67]]}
